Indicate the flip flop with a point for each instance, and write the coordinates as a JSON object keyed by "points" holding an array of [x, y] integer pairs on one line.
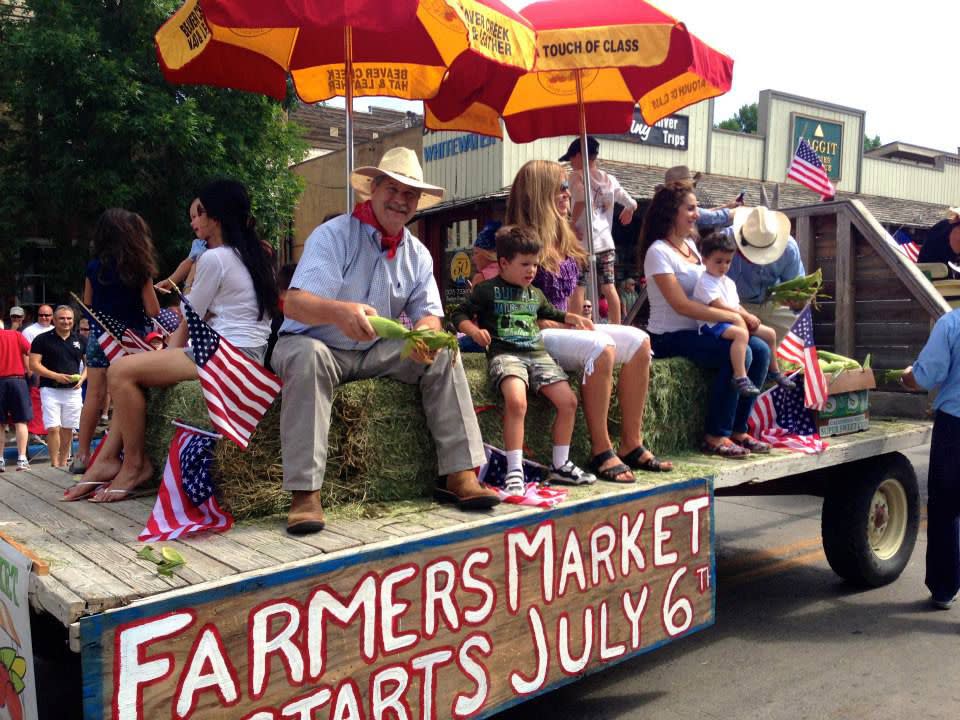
{"points": [[94, 485], [121, 494]]}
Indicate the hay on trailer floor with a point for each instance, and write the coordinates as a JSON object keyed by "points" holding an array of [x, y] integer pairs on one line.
{"points": [[380, 449]]}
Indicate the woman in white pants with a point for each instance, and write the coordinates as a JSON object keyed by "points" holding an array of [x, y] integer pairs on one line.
{"points": [[540, 198]]}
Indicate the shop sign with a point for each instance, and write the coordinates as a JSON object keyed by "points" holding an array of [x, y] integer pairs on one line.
{"points": [[457, 285], [18, 689], [671, 132], [825, 138], [456, 146]]}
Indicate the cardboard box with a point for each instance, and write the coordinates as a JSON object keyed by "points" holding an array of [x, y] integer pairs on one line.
{"points": [[848, 403]]}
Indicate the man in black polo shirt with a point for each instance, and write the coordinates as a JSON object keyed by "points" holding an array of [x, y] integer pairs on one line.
{"points": [[56, 357]]}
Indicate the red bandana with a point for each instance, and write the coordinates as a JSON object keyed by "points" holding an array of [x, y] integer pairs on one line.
{"points": [[364, 213]]}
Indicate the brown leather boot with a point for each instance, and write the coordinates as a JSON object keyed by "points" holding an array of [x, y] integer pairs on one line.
{"points": [[465, 490], [306, 513]]}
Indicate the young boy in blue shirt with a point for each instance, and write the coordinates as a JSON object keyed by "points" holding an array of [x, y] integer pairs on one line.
{"points": [[506, 309]]}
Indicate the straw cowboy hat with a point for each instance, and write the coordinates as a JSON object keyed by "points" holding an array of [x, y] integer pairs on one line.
{"points": [[680, 173], [952, 213], [761, 234], [403, 165]]}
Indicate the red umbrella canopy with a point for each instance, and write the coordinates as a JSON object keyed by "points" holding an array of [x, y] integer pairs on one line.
{"points": [[400, 48], [624, 54]]}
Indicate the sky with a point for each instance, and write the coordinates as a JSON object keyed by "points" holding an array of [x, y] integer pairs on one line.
{"points": [[898, 62]]}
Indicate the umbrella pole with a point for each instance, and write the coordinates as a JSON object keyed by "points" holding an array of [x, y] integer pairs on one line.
{"points": [[348, 97], [587, 202]]}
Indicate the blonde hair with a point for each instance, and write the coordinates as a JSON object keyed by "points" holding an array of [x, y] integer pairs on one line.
{"points": [[532, 203]]}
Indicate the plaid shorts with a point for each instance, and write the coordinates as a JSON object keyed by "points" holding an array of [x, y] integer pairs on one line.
{"points": [[537, 369], [605, 263]]}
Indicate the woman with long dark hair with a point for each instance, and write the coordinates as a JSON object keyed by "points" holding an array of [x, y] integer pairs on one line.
{"points": [[234, 290], [672, 265], [119, 284]]}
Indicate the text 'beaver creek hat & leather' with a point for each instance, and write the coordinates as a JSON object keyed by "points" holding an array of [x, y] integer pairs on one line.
{"points": [[403, 165], [761, 234]]}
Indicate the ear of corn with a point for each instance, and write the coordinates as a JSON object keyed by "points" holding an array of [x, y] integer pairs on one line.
{"points": [[806, 288], [387, 328], [423, 341]]}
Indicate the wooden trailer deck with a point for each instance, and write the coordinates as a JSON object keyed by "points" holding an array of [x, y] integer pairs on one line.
{"points": [[92, 549]]}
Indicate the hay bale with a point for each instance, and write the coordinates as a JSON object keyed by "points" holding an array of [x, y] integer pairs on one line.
{"points": [[380, 449]]}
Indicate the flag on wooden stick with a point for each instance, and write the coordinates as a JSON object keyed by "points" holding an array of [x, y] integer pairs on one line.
{"points": [[238, 390], [780, 418], [799, 348], [186, 502]]}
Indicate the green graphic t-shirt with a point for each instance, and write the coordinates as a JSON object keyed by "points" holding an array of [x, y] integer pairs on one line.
{"points": [[509, 313]]}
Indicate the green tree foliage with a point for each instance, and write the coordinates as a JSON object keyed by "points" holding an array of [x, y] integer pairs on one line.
{"points": [[871, 143], [88, 122], [744, 120]]}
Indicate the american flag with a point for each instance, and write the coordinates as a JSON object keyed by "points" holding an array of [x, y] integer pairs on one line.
{"points": [[493, 473], [779, 418], [238, 390], [807, 170], [116, 339], [185, 501], [799, 348], [906, 245], [166, 322]]}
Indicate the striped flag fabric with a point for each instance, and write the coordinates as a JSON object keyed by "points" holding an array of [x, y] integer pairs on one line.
{"points": [[906, 245], [807, 170], [780, 418], [799, 348], [493, 474], [238, 390], [186, 502], [115, 338]]}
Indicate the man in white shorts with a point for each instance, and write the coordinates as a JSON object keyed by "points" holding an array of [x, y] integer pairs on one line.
{"points": [[56, 358]]}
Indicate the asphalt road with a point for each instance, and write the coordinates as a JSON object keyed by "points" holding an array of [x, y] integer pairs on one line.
{"points": [[791, 641]]}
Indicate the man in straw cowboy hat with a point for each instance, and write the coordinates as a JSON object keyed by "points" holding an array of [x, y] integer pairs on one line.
{"points": [[355, 266], [767, 255]]}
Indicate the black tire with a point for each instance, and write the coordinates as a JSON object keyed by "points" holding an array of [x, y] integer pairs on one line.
{"points": [[871, 514]]}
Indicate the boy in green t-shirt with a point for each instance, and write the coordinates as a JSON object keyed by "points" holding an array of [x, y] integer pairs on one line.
{"points": [[506, 309]]}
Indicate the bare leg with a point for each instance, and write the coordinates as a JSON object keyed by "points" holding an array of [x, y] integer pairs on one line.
{"points": [[613, 304], [596, 406], [769, 336], [22, 435], [53, 445], [93, 405], [66, 441], [738, 350], [575, 303], [565, 401], [514, 411], [632, 393], [126, 378]]}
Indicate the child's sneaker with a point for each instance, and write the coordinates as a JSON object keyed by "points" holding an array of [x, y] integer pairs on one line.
{"points": [[513, 483], [22, 463], [782, 380], [570, 474], [745, 386]]}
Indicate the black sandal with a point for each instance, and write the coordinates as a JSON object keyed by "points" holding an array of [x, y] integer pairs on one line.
{"points": [[609, 474], [651, 464]]}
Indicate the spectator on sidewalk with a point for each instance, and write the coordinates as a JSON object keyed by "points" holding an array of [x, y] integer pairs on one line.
{"points": [[56, 357], [16, 318], [43, 324], [628, 295], [14, 393]]}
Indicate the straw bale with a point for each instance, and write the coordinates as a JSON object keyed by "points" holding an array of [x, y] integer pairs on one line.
{"points": [[380, 449]]}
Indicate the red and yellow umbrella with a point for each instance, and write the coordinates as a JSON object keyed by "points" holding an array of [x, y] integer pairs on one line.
{"points": [[593, 67], [400, 48]]}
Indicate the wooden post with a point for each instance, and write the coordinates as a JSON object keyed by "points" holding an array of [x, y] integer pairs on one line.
{"points": [[807, 243], [844, 330]]}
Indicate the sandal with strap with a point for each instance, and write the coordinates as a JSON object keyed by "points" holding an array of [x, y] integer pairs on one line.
{"points": [[612, 473], [752, 444], [651, 464], [729, 450], [782, 380]]}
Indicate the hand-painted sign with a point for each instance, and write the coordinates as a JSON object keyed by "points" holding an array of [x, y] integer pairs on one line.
{"points": [[825, 138], [18, 690], [456, 146], [455, 625]]}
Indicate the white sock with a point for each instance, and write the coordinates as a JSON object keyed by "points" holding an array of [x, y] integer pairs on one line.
{"points": [[561, 453], [514, 460], [22, 457]]}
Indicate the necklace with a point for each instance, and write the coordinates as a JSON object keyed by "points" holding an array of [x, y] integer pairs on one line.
{"points": [[684, 250]]}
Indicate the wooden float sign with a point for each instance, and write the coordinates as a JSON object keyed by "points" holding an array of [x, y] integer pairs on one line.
{"points": [[459, 624]]}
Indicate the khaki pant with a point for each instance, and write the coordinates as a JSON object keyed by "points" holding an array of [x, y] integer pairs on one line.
{"points": [[780, 318], [311, 371]]}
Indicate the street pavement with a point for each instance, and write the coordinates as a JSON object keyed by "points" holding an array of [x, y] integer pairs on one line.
{"points": [[791, 640]]}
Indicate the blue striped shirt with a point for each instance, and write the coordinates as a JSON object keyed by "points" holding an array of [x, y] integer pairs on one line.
{"points": [[343, 260], [938, 365]]}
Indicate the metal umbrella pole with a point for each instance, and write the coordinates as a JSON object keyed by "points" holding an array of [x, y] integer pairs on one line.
{"points": [[587, 202], [348, 97]]}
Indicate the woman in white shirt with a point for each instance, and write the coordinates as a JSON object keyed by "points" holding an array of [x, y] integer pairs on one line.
{"points": [[672, 266], [234, 290]]}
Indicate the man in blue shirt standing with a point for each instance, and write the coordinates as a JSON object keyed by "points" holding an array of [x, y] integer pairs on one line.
{"points": [[767, 256], [938, 367], [355, 266]]}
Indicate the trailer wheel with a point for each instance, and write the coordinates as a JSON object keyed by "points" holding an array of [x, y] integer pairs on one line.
{"points": [[870, 519]]}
